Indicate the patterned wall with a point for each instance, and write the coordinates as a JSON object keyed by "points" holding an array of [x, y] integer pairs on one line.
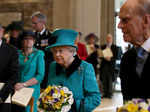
{"points": [[12, 10]]}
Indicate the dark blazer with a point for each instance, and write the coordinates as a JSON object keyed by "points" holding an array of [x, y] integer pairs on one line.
{"points": [[110, 64], [45, 37], [42, 38], [132, 85], [93, 58], [8, 71]]}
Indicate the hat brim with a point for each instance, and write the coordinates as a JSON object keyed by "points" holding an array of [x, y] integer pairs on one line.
{"points": [[59, 45]]}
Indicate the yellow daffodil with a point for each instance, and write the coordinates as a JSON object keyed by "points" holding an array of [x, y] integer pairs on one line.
{"points": [[62, 92], [47, 90], [143, 110], [132, 107]]}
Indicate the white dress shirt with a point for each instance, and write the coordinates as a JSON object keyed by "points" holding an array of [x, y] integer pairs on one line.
{"points": [[0, 43], [146, 45], [42, 31]]}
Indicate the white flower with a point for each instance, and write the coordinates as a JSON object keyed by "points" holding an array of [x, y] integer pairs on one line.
{"points": [[65, 108], [56, 95], [65, 89], [70, 101], [143, 105], [69, 92]]}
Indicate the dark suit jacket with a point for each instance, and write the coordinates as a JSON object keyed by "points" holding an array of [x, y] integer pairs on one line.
{"points": [[39, 38], [109, 64], [48, 55], [132, 85], [8, 70]]}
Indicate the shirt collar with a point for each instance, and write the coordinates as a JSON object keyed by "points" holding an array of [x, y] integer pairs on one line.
{"points": [[0, 42], [146, 45], [42, 31]]}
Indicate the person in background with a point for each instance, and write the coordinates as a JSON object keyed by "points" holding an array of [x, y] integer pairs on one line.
{"points": [[70, 71], [15, 29], [92, 48], [8, 72], [43, 38], [134, 69], [31, 67], [128, 47], [107, 68], [82, 51]]}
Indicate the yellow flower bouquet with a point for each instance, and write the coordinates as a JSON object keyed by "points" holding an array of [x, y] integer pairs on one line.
{"points": [[56, 99], [135, 105]]}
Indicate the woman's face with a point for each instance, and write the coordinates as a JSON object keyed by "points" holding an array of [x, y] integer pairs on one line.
{"points": [[28, 42], [62, 55], [15, 33], [91, 40]]}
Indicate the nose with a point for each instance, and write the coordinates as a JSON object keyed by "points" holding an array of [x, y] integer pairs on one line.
{"points": [[57, 53], [33, 25]]}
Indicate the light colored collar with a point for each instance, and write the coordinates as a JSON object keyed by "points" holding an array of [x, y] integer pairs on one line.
{"points": [[109, 44], [146, 45], [0, 42], [43, 31]]}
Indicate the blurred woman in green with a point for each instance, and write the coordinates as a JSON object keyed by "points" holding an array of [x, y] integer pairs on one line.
{"points": [[31, 67]]}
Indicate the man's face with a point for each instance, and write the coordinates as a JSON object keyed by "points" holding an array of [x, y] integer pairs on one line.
{"points": [[131, 23], [109, 39], [1, 33], [37, 24]]}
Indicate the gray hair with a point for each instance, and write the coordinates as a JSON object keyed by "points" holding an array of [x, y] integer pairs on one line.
{"points": [[40, 16], [72, 49]]}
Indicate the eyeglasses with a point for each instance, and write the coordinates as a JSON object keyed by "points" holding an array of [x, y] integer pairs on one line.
{"points": [[35, 23], [60, 50], [55, 51]]}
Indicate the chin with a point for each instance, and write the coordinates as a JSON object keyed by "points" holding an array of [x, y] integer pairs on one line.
{"points": [[60, 62]]}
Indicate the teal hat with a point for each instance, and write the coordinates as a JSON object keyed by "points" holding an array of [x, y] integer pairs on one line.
{"points": [[63, 37]]}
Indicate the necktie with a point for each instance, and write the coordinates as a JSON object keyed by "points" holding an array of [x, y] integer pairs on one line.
{"points": [[141, 58]]}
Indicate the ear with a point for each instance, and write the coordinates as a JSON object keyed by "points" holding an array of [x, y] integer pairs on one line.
{"points": [[146, 25], [146, 20]]}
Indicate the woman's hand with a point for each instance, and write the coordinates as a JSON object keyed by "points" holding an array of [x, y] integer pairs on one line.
{"points": [[19, 86]]}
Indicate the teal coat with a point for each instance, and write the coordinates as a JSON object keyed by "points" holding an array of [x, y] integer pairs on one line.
{"points": [[80, 79], [32, 68]]}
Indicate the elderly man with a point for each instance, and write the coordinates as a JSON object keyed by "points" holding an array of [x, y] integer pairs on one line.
{"points": [[8, 72], [134, 72], [43, 37], [107, 68]]}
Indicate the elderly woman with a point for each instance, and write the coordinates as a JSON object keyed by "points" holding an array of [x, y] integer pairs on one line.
{"points": [[92, 49], [68, 70], [31, 67]]}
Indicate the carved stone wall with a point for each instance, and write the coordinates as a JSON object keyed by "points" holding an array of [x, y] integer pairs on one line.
{"points": [[24, 9]]}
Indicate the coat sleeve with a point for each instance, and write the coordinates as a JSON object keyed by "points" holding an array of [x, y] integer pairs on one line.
{"points": [[40, 67], [12, 72], [92, 96]]}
